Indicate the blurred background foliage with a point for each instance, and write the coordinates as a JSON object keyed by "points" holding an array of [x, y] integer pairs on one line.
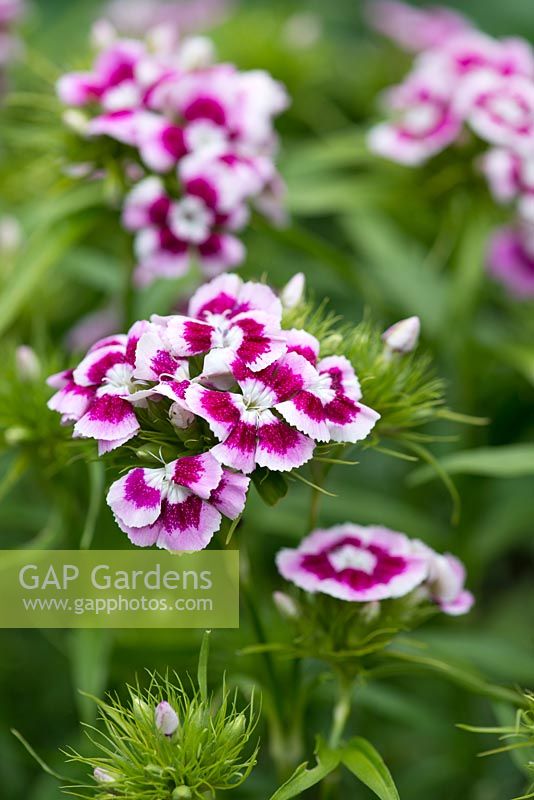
{"points": [[368, 235]]}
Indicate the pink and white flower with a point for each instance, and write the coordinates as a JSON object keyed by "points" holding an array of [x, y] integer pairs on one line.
{"points": [[207, 124], [446, 581], [355, 563], [229, 320], [95, 395], [135, 17], [369, 564], [415, 29], [179, 506], [500, 109], [425, 122], [511, 260], [315, 405]]}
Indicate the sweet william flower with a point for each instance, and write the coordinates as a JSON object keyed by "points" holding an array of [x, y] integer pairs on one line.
{"points": [[166, 718], [415, 29], [368, 564], [95, 395], [181, 115], [179, 506], [402, 337], [499, 108], [316, 405], [511, 260], [425, 120], [446, 583]]}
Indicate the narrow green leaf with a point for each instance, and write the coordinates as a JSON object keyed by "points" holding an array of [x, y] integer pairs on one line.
{"points": [[509, 461], [42, 253], [89, 657], [366, 763], [303, 778], [44, 766], [202, 673]]}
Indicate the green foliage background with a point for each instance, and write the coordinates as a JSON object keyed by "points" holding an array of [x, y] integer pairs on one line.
{"points": [[367, 235]]}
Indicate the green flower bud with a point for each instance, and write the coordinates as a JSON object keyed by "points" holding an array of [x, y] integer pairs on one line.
{"points": [[182, 793]]}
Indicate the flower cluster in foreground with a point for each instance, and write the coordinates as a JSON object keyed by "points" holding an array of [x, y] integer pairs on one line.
{"points": [[184, 746], [218, 393], [370, 564], [194, 141], [465, 81]]}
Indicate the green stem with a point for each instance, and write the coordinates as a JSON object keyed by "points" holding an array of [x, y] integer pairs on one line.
{"points": [[341, 712]]}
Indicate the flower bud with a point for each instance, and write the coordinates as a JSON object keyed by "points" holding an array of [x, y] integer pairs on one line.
{"points": [[102, 776], [370, 611], [27, 363], [166, 718], [76, 120], [16, 435], [140, 709], [196, 52], [402, 337], [285, 605], [103, 34], [180, 418], [293, 292], [182, 793], [10, 234], [234, 729]]}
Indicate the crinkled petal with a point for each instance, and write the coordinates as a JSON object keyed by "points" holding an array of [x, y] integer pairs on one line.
{"points": [[135, 499], [221, 410], [280, 447], [201, 474], [109, 417], [230, 495]]}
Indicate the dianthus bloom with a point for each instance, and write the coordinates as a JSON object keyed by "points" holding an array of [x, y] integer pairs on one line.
{"points": [[415, 29], [198, 139], [464, 82], [511, 260], [363, 564], [228, 378], [135, 17]]}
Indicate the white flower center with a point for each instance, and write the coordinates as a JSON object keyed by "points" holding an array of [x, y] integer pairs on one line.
{"points": [[322, 388], [509, 110], [257, 397], [190, 220], [421, 119], [120, 378], [351, 557]]}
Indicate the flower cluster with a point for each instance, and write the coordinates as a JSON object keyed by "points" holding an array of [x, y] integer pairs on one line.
{"points": [[370, 564], [463, 80], [135, 17], [10, 13], [196, 146], [226, 389]]}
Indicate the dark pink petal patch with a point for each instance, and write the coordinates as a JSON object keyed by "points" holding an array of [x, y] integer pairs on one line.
{"points": [[138, 492]]}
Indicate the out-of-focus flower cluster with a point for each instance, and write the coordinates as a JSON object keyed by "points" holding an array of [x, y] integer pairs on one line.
{"points": [[193, 141], [371, 564], [212, 396], [11, 11], [464, 83], [136, 17]]}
